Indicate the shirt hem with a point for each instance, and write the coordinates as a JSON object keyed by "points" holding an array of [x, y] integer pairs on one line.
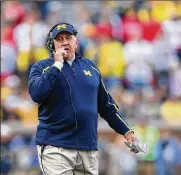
{"points": [[79, 147]]}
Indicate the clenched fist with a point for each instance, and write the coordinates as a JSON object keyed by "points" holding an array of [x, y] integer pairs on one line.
{"points": [[59, 54]]}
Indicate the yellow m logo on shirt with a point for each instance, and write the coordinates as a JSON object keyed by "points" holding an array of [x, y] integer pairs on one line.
{"points": [[61, 26], [87, 72]]}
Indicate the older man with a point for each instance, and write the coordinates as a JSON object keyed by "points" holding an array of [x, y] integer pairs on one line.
{"points": [[70, 93]]}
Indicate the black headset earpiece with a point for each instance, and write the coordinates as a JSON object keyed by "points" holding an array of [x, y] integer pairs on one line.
{"points": [[49, 41]]}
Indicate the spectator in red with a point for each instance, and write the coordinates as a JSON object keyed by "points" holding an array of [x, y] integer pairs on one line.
{"points": [[150, 26], [13, 12], [131, 25], [7, 35], [104, 29]]}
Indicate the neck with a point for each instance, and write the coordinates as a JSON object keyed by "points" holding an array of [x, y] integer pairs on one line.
{"points": [[70, 58]]}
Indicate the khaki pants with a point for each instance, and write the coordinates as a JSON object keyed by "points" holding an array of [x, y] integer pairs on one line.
{"points": [[61, 161]]}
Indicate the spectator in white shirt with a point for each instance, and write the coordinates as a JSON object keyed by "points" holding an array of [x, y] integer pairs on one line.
{"points": [[8, 59], [172, 31], [139, 56], [164, 58], [30, 38]]}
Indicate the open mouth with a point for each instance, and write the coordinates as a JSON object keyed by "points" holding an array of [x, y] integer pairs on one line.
{"points": [[67, 49]]}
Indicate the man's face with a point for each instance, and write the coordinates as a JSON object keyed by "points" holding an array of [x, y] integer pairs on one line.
{"points": [[68, 42]]}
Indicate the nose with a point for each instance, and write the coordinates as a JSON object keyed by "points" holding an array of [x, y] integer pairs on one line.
{"points": [[64, 42]]}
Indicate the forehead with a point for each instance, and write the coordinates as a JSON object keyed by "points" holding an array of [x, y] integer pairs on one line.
{"points": [[64, 34]]}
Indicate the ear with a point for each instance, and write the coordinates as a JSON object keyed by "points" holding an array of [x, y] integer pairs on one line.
{"points": [[54, 43], [76, 42]]}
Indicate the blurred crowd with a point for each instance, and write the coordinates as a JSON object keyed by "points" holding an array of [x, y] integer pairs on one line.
{"points": [[137, 47]]}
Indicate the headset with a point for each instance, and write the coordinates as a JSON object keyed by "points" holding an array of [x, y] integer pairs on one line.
{"points": [[49, 41]]}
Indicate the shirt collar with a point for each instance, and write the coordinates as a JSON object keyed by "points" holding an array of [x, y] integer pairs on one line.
{"points": [[73, 58]]}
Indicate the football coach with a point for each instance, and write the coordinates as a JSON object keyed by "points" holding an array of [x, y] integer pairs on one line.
{"points": [[70, 93]]}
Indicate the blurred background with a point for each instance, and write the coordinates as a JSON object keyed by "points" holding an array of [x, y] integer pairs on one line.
{"points": [[137, 47]]}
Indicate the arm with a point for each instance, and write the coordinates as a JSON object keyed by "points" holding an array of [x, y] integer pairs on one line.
{"points": [[41, 82], [110, 112]]}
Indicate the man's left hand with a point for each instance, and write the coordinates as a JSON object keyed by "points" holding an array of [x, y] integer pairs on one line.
{"points": [[130, 137]]}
